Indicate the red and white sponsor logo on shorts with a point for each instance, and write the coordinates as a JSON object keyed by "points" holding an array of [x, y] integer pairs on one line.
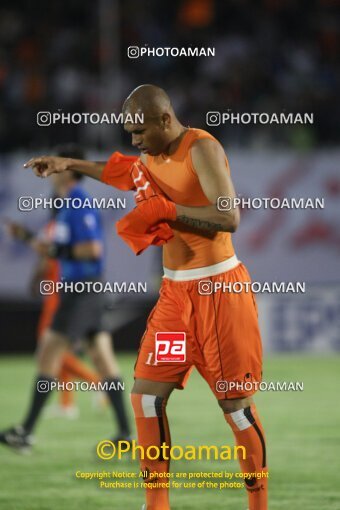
{"points": [[170, 346]]}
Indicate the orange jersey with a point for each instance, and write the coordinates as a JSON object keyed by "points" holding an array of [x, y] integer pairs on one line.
{"points": [[178, 180], [51, 301]]}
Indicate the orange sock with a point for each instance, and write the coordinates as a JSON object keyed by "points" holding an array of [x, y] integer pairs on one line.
{"points": [[248, 432], [66, 397], [153, 430], [78, 369]]}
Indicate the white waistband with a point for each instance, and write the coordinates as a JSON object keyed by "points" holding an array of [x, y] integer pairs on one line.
{"points": [[201, 272]]}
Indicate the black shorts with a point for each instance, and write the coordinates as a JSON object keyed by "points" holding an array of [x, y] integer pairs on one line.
{"points": [[81, 315]]}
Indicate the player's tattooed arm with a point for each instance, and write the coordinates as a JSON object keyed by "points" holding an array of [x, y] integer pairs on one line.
{"points": [[209, 162], [202, 224], [44, 166]]}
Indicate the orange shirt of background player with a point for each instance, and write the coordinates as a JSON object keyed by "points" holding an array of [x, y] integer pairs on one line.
{"points": [[50, 302]]}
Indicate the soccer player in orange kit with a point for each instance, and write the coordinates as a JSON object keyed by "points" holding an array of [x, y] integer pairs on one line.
{"points": [[223, 341]]}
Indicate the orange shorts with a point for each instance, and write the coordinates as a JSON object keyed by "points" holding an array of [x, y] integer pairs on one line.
{"points": [[49, 308], [222, 335]]}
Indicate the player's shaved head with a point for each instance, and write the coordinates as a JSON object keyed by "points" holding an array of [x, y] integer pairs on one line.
{"points": [[159, 128], [150, 100]]}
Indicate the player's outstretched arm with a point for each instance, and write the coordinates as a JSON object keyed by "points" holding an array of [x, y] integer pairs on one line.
{"points": [[208, 159], [46, 165]]}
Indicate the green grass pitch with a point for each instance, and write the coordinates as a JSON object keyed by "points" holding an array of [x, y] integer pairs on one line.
{"points": [[302, 429]]}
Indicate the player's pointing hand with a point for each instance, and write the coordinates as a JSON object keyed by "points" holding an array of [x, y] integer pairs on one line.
{"points": [[47, 165]]}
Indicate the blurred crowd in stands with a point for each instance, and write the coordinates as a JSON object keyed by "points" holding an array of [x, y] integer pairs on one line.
{"points": [[271, 56]]}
